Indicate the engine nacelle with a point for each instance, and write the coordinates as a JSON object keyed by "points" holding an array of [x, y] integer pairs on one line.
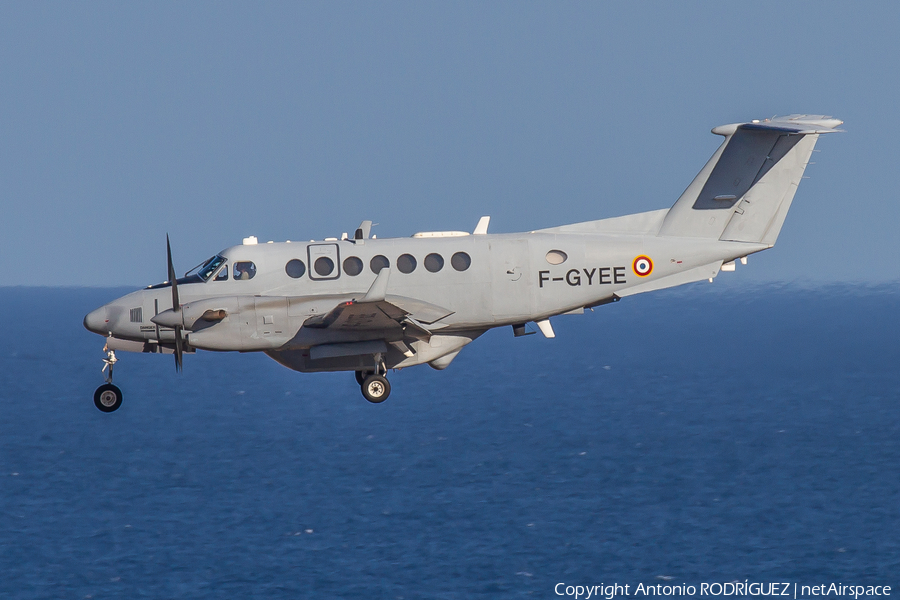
{"points": [[240, 323]]}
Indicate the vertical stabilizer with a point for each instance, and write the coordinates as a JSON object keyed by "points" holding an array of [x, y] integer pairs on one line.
{"points": [[745, 190]]}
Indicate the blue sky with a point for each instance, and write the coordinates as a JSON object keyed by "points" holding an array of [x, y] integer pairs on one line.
{"points": [[120, 123]]}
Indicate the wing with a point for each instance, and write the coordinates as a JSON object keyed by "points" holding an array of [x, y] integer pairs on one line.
{"points": [[354, 315], [372, 330], [375, 316], [377, 311]]}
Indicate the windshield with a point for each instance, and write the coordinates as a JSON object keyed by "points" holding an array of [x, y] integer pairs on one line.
{"points": [[206, 270]]}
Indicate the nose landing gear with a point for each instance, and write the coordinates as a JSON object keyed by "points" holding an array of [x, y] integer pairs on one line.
{"points": [[108, 397]]}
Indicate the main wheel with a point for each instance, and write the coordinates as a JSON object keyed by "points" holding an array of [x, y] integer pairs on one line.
{"points": [[108, 397], [376, 388], [361, 376]]}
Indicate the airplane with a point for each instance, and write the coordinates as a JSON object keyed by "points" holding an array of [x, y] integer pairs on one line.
{"points": [[368, 305]]}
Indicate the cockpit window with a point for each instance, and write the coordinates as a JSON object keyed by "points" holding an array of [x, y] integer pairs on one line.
{"points": [[206, 270], [222, 275], [244, 270]]}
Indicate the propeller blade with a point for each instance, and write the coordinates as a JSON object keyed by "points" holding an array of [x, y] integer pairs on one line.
{"points": [[179, 349], [176, 306]]}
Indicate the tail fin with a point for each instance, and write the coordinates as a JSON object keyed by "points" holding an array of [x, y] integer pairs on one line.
{"points": [[745, 190]]}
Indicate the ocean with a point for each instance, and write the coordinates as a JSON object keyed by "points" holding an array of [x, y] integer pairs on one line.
{"points": [[712, 433]]}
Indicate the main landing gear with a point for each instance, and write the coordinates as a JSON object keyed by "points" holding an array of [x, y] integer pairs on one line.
{"points": [[375, 386], [108, 397]]}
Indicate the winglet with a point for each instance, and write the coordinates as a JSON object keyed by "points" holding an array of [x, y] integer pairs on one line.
{"points": [[378, 290], [482, 226]]}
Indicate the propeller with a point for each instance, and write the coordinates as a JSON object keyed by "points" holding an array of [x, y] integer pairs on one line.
{"points": [[176, 306]]}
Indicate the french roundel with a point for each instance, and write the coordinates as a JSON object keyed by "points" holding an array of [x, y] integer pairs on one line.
{"points": [[642, 266]]}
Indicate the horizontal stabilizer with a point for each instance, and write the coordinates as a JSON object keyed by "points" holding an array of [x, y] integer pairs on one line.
{"points": [[799, 124]]}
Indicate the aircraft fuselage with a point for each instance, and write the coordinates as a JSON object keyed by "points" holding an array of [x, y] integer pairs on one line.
{"points": [[494, 280]]}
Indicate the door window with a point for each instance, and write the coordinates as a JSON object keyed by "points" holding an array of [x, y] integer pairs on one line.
{"points": [[324, 261]]}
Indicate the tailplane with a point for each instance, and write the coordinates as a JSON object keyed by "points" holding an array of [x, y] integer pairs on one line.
{"points": [[745, 190]]}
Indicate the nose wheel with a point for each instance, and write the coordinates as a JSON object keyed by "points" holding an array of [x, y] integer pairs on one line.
{"points": [[108, 397]]}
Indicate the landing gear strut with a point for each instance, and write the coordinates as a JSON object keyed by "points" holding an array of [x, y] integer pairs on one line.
{"points": [[108, 397]]}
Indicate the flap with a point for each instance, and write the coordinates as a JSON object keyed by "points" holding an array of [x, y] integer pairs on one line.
{"points": [[355, 315], [423, 312], [388, 313]]}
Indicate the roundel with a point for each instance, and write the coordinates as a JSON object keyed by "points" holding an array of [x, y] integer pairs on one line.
{"points": [[642, 266]]}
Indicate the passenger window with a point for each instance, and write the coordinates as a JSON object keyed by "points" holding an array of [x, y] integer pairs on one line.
{"points": [[353, 266], [324, 266], [406, 263], [434, 262], [295, 268], [223, 274], [378, 263], [244, 270], [460, 261]]}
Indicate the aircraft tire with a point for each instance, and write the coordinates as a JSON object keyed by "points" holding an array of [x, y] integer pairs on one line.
{"points": [[376, 388], [108, 398], [361, 376]]}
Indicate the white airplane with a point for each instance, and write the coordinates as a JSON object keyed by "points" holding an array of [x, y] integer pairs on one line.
{"points": [[368, 305]]}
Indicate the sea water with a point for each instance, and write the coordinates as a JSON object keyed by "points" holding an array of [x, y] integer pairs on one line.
{"points": [[710, 433]]}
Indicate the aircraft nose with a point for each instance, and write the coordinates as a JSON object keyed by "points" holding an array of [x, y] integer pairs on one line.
{"points": [[97, 321]]}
